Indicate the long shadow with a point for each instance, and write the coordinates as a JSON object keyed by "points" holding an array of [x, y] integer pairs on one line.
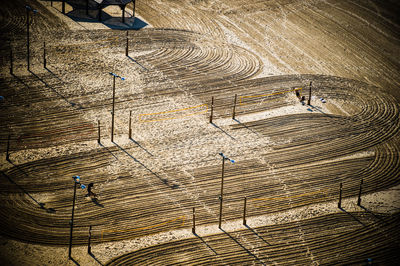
{"points": [[260, 237], [355, 218], [41, 205], [20, 80], [140, 146], [223, 131], [94, 257], [205, 243], [165, 181], [318, 109], [133, 60], [237, 242], [96, 201], [108, 151], [244, 125], [55, 91], [51, 72], [373, 214], [77, 263]]}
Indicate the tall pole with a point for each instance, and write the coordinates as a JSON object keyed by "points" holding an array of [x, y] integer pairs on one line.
{"points": [[27, 37], [244, 211], [113, 109], [359, 193], [340, 196], [8, 149], [130, 124], [11, 62], [234, 107], [309, 96], [44, 55], [98, 123], [89, 250], [63, 7], [194, 221], [72, 222], [222, 193], [212, 107]]}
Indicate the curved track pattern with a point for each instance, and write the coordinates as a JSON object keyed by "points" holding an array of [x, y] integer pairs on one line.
{"points": [[150, 183]]}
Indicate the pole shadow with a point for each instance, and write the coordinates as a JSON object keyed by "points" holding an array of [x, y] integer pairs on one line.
{"points": [[260, 237], [104, 147], [51, 72], [243, 247], [165, 181], [244, 125], [77, 263], [352, 215], [20, 80], [94, 257], [96, 201], [56, 92], [41, 205], [373, 214], [223, 131], [205, 243], [140, 146], [133, 60]]}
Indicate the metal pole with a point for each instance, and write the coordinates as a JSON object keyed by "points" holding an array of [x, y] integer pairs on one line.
{"points": [[244, 211], [113, 108], [309, 96], [8, 149], [63, 7], [89, 250], [98, 139], [340, 196], [72, 223], [87, 7], [126, 50], [359, 193], [27, 37], [234, 107], [212, 107], [11, 62], [194, 222], [130, 124], [222, 193], [44, 55]]}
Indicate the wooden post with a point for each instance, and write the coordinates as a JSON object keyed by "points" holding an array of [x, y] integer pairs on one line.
{"points": [[234, 107], [113, 109], [123, 14], [11, 61], [222, 193], [89, 248], [130, 124], [194, 222], [244, 211], [44, 55], [212, 109], [98, 139], [359, 193], [127, 40], [8, 149], [309, 96], [340, 196], [63, 7]]}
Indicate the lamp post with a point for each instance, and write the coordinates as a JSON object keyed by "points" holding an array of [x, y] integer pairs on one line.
{"points": [[77, 180], [113, 104], [222, 187], [28, 9]]}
